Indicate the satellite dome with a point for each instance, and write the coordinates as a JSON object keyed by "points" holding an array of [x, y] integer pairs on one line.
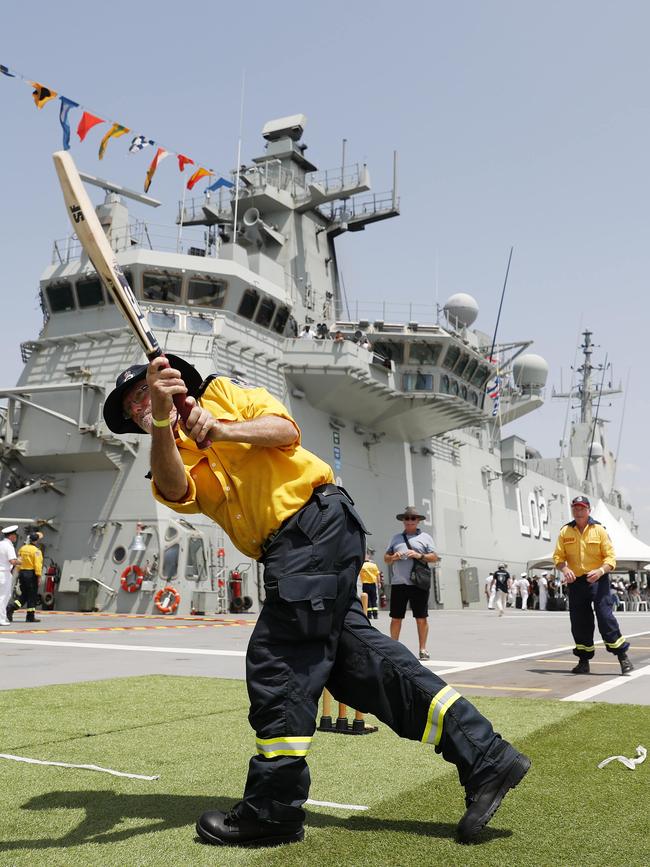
{"points": [[530, 371], [596, 451], [461, 309]]}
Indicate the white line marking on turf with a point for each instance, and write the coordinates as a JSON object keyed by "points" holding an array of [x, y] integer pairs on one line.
{"points": [[621, 680], [81, 767], [472, 665], [338, 806], [91, 645]]}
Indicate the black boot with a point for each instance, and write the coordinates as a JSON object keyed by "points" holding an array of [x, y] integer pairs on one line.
{"points": [[483, 802], [31, 617], [10, 612], [227, 829], [626, 665], [582, 667]]}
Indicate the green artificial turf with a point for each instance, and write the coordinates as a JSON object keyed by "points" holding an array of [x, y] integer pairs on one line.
{"points": [[194, 733]]}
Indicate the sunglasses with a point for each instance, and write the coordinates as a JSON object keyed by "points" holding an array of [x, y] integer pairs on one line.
{"points": [[135, 398]]}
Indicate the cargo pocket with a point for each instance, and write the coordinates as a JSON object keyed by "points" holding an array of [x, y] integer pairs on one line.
{"points": [[309, 602]]}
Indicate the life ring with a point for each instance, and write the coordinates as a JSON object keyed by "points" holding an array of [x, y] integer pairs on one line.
{"points": [[131, 586], [166, 600]]}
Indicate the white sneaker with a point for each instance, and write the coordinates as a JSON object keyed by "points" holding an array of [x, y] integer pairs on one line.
{"points": [[4, 623]]}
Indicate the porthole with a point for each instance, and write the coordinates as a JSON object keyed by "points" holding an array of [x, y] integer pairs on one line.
{"points": [[119, 554]]}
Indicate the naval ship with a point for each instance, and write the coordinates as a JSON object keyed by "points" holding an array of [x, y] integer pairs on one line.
{"points": [[413, 406]]}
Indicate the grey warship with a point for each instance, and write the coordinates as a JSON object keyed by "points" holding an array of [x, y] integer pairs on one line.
{"points": [[413, 406]]}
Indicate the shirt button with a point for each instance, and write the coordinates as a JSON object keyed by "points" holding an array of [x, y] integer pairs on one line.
{"points": [[238, 517], [226, 489]]}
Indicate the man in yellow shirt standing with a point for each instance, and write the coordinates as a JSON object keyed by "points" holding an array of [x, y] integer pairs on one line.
{"points": [[585, 555], [31, 569], [278, 504], [369, 582]]}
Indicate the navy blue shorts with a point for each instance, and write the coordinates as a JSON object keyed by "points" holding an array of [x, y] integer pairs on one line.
{"points": [[401, 594]]}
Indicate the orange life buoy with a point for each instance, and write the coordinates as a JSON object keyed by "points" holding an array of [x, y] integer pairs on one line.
{"points": [[166, 600], [131, 586]]}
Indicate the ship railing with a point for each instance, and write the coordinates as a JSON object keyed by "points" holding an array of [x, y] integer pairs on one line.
{"points": [[335, 179], [149, 236], [378, 314], [366, 205]]}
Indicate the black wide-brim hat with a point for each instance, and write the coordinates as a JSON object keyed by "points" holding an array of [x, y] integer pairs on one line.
{"points": [[113, 411]]}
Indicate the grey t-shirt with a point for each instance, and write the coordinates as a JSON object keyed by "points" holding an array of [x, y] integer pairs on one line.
{"points": [[401, 569]]}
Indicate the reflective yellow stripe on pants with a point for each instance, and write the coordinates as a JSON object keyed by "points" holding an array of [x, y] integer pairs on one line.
{"points": [[616, 644], [270, 748], [440, 703]]}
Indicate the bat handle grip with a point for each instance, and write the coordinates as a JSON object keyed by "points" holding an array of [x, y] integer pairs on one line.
{"points": [[180, 401], [184, 408]]}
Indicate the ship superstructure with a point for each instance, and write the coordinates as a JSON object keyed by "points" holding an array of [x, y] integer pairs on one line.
{"points": [[407, 410]]}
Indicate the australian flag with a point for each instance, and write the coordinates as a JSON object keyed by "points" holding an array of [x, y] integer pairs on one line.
{"points": [[494, 391]]}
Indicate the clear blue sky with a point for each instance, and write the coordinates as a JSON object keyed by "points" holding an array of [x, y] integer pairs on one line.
{"points": [[517, 123]]}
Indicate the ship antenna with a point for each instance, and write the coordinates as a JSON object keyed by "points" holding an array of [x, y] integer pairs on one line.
{"points": [[241, 124], [571, 383], [620, 433], [593, 429], [503, 292]]}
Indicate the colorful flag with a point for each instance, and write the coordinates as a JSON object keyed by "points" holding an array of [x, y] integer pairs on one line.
{"points": [[183, 161], [64, 111], [5, 71], [161, 153], [221, 182], [42, 94], [494, 392], [198, 174], [86, 123], [114, 132], [139, 143]]}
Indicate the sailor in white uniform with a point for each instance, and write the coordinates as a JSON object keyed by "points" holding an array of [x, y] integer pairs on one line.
{"points": [[8, 560]]}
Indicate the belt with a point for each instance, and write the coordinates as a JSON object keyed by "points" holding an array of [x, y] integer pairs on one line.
{"points": [[322, 490]]}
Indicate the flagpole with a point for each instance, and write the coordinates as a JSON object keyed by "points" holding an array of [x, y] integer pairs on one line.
{"points": [[182, 216], [241, 124]]}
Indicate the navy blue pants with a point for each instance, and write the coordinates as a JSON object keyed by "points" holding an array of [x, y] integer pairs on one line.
{"points": [[584, 600], [311, 634]]}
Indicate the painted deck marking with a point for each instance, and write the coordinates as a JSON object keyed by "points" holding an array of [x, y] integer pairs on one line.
{"points": [[621, 680]]}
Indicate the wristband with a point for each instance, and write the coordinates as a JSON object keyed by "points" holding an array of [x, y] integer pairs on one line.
{"points": [[164, 422]]}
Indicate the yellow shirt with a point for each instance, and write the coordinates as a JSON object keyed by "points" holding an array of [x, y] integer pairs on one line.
{"points": [[248, 490], [584, 551], [31, 557], [369, 573]]}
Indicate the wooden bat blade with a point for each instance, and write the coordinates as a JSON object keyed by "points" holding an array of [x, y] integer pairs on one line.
{"points": [[92, 237]]}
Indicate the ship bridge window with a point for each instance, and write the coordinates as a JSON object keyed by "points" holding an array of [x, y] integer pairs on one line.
{"points": [[390, 351], [161, 287], [417, 382], [481, 376], [451, 357], [59, 297], [424, 353], [164, 320], [470, 370], [463, 392], [265, 312], [461, 364], [473, 397], [280, 321], [199, 325], [453, 387], [206, 293], [89, 292], [249, 303], [444, 384]]}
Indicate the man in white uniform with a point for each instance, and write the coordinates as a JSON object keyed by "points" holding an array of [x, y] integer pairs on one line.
{"points": [[542, 586], [8, 560], [523, 587], [490, 593]]}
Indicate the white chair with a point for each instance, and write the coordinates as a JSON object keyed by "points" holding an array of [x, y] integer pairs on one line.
{"points": [[643, 605]]}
